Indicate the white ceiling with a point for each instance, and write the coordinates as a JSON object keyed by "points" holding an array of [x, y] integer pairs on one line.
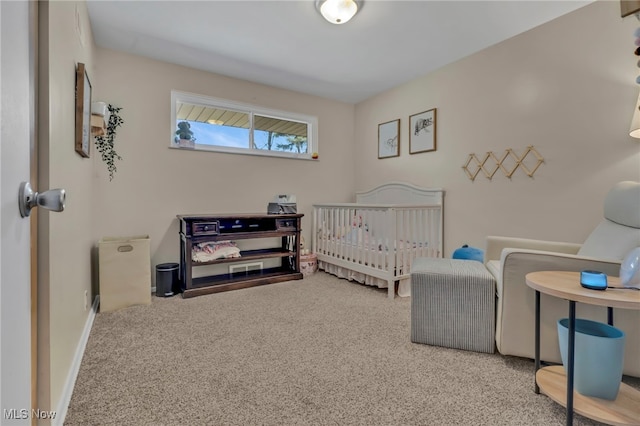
{"points": [[287, 44]]}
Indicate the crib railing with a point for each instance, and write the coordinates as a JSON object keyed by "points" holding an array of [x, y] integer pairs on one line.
{"points": [[418, 234]]}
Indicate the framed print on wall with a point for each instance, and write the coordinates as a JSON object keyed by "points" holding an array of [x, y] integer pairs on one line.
{"points": [[83, 111], [629, 7], [422, 132], [389, 139]]}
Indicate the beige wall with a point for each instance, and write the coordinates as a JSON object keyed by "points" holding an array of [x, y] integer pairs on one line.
{"points": [[567, 88], [65, 239], [153, 182]]}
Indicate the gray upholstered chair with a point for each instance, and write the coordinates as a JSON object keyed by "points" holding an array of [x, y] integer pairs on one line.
{"points": [[510, 259]]}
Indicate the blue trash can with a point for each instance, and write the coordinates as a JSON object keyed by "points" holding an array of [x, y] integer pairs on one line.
{"points": [[598, 357]]}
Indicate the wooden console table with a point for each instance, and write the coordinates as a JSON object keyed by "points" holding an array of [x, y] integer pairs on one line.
{"points": [[553, 381], [195, 229]]}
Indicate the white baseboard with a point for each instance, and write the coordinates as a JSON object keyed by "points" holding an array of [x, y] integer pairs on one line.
{"points": [[67, 392]]}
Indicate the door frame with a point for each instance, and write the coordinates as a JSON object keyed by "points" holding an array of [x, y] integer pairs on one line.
{"points": [[34, 35]]}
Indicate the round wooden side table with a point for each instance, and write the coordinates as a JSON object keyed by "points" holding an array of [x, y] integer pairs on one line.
{"points": [[552, 380]]}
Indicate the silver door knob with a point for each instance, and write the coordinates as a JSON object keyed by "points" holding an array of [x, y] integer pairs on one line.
{"points": [[52, 199]]}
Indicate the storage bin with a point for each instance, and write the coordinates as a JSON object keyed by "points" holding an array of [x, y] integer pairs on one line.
{"points": [[124, 272], [308, 264]]}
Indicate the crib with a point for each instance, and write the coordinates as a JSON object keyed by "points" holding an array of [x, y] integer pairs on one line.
{"points": [[374, 240]]}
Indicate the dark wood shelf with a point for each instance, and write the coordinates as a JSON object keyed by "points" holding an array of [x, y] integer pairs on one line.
{"points": [[195, 229], [251, 254], [243, 235], [226, 282]]}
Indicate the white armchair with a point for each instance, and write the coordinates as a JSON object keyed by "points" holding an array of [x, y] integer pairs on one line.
{"points": [[510, 259]]}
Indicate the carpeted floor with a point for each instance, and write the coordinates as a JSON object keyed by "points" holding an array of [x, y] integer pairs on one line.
{"points": [[321, 351]]}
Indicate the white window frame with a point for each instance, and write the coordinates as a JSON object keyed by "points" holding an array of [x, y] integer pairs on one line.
{"points": [[251, 110]]}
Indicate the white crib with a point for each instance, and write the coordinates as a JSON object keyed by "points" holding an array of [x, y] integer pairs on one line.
{"points": [[374, 240]]}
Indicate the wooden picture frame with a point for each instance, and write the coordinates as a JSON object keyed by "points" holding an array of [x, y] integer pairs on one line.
{"points": [[422, 131], [389, 139], [83, 111], [629, 7]]}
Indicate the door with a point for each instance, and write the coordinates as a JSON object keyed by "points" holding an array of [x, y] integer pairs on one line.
{"points": [[17, 119]]}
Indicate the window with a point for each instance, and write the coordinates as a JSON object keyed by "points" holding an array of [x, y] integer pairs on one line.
{"points": [[210, 124]]}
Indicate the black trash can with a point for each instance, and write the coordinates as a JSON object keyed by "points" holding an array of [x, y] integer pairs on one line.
{"points": [[167, 283]]}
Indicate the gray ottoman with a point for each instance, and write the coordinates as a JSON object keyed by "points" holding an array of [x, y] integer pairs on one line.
{"points": [[453, 304]]}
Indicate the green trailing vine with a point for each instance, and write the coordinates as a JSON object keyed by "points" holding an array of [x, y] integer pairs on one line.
{"points": [[105, 144]]}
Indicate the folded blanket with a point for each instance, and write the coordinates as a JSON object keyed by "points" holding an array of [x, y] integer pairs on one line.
{"points": [[206, 252]]}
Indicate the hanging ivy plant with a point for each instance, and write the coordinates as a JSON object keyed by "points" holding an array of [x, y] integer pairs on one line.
{"points": [[105, 144]]}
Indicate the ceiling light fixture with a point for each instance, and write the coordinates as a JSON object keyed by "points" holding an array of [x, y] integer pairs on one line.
{"points": [[338, 11]]}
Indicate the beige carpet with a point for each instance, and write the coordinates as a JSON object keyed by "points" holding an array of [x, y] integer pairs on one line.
{"points": [[320, 351]]}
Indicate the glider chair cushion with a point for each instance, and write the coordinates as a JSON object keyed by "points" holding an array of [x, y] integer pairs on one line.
{"points": [[511, 259], [619, 231]]}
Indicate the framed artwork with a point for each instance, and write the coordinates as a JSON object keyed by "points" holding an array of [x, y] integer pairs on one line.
{"points": [[422, 132], [629, 7], [83, 111], [389, 139]]}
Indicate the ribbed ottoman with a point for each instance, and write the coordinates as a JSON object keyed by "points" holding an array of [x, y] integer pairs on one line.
{"points": [[453, 304]]}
